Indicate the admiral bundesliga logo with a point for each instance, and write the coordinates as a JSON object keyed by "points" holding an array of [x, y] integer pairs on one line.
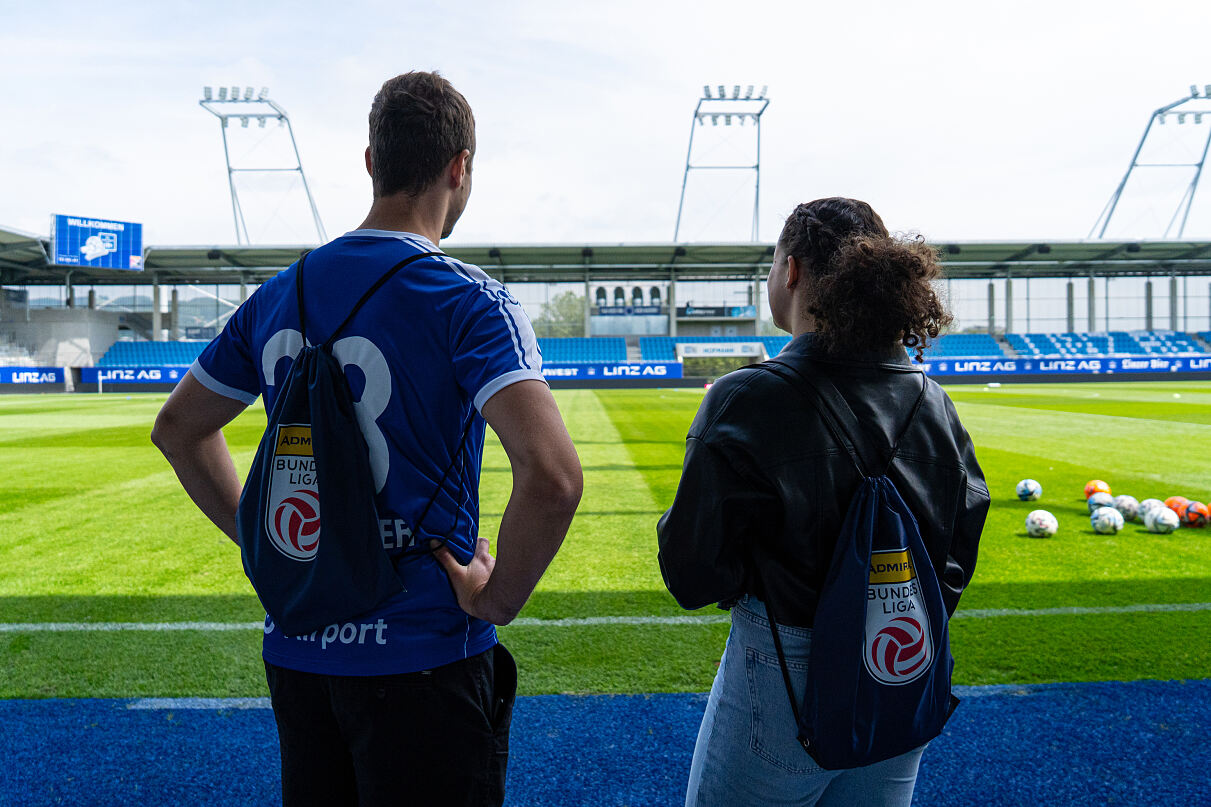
{"points": [[293, 515], [898, 644]]}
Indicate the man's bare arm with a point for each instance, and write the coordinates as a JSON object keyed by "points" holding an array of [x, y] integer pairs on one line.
{"points": [[189, 432], [547, 484]]}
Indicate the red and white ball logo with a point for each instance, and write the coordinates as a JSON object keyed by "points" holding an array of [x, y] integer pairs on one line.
{"points": [[899, 652], [296, 525]]}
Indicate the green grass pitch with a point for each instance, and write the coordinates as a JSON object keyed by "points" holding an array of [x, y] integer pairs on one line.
{"points": [[94, 528]]}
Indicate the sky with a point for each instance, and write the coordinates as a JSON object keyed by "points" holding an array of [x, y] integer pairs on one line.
{"points": [[961, 121]]}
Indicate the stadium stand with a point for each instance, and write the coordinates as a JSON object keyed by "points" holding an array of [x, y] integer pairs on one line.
{"points": [[1167, 342], [556, 351], [663, 348], [964, 344], [151, 354], [582, 350], [1102, 344], [15, 356]]}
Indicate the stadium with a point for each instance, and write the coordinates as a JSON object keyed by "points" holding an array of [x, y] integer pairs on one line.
{"points": [[129, 636]]}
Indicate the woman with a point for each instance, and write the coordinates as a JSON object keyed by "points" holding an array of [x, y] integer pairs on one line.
{"points": [[765, 488]]}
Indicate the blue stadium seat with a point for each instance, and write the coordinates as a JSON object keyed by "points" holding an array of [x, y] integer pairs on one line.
{"points": [[964, 344], [583, 350], [1166, 342], [151, 354]]}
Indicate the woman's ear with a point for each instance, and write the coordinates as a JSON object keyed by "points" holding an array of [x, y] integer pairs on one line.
{"points": [[793, 269]]}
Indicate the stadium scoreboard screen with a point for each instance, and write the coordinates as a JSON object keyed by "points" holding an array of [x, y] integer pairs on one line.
{"points": [[96, 243]]}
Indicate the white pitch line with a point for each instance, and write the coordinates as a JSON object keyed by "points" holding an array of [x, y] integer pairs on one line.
{"points": [[69, 627], [570, 622], [1077, 610], [199, 703]]}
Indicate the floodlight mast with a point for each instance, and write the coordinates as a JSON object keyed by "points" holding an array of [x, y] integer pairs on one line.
{"points": [[261, 108], [1187, 200], [720, 105]]}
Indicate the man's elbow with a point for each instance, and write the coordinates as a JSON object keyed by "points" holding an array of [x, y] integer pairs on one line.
{"points": [[565, 488], [559, 487], [165, 433]]}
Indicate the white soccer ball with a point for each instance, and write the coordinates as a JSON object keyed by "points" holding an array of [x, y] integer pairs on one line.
{"points": [[1161, 520], [1041, 524], [1099, 500], [1029, 490], [1128, 506], [1106, 520], [1146, 505]]}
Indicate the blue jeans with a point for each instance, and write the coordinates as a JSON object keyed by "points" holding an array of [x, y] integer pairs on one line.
{"points": [[747, 752]]}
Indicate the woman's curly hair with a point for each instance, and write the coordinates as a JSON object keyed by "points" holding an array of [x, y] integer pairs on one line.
{"points": [[865, 288]]}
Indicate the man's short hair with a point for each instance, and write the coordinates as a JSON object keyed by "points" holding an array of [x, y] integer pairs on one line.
{"points": [[418, 123]]}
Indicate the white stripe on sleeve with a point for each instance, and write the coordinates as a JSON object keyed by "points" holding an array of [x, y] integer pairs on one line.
{"points": [[218, 387], [501, 381]]}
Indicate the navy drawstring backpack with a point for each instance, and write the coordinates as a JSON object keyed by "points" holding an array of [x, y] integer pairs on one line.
{"points": [[878, 677], [307, 520]]}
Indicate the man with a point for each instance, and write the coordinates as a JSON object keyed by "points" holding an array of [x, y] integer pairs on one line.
{"points": [[409, 703]]}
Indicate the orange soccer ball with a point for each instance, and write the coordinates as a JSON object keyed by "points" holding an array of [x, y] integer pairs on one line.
{"points": [[1095, 486], [1195, 514], [1176, 503]]}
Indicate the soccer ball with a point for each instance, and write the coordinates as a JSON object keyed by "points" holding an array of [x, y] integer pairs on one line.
{"points": [[1041, 524], [1106, 520], [1100, 500], [1095, 486], [1195, 514], [1161, 520], [1176, 503], [1147, 505], [1029, 490], [1128, 506]]}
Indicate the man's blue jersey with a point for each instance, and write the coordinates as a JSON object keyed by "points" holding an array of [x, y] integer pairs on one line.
{"points": [[422, 356]]}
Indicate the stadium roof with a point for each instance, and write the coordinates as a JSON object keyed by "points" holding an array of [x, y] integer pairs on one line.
{"points": [[23, 261]]}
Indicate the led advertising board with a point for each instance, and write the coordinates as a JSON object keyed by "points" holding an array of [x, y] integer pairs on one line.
{"points": [[96, 243]]}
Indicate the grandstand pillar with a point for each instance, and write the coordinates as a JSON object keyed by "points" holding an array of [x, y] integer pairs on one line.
{"points": [[757, 277], [992, 306], [672, 301], [157, 316], [174, 331], [1147, 305], [243, 287], [1173, 302], [92, 299], [588, 306], [1093, 304], [1008, 304], [1071, 306]]}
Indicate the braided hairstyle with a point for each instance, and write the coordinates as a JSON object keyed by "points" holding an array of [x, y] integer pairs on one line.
{"points": [[865, 288]]}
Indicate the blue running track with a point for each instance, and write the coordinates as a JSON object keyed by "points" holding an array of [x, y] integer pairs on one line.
{"points": [[1138, 743]]}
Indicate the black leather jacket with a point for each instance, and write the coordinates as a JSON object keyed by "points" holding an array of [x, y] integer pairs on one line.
{"points": [[765, 487]]}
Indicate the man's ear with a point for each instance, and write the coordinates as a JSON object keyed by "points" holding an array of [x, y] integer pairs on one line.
{"points": [[793, 271], [369, 165], [460, 166]]}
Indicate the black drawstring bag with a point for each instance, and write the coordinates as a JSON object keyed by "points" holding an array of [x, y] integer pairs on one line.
{"points": [[307, 521], [878, 676]]}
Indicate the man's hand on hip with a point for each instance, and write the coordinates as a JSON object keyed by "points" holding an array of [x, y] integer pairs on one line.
{"points": [[547, 484], [468, 581]]}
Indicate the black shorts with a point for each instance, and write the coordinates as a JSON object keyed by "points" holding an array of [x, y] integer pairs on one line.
{"points": [[431, 738]]}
